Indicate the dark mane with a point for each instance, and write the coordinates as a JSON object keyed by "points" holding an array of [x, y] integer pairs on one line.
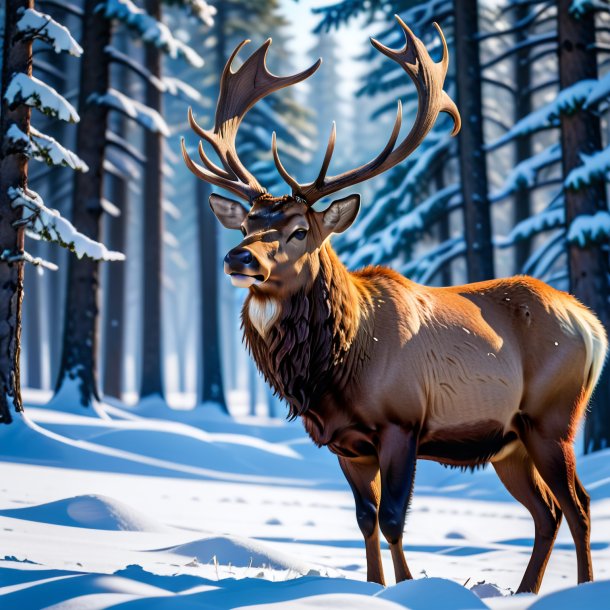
{"points": [[315, 331]]}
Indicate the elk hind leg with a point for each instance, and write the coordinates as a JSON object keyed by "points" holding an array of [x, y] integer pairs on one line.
{"points": [[397, 460], [556, 463], [519, 475], [363, 478]]}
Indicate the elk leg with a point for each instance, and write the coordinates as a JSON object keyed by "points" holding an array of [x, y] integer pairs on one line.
{"points": [[556, 463], [519, 475], [363, 478], [397, 459]]}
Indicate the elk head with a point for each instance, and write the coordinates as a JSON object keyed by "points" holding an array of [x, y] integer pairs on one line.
{"points": [[283, 235]]}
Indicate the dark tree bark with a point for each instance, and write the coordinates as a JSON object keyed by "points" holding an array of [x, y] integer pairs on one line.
{"points": [[522, 208], [151, 382], [589, 266], [443, 227], [31, 326], [16, 57], [114, 320], [209, 377], [80, 335], [473, 167]]}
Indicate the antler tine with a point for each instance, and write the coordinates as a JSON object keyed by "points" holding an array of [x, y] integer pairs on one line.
{"points": [[280, 167], [239, 91], [330, 148], [238, 188], [428, 78]]}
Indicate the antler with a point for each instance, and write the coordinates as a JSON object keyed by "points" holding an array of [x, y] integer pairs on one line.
{"points": [[239, 91], [429, 78]]}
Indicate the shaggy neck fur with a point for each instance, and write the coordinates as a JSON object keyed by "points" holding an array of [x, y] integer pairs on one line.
{"points": [[315, 339]]}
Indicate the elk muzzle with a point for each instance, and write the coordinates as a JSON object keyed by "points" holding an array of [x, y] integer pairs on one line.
{"points": [[244, 268]]}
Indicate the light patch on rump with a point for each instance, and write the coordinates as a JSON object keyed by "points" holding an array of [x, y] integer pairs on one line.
{"points": [[262, 314]]}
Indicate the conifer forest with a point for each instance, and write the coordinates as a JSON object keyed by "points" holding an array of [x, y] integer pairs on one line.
{"points": [[129, 401]]}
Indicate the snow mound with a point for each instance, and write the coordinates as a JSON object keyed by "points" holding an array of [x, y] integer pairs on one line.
{"points": [[91, 511], [416, 595], [240, 552], [590, 595]]}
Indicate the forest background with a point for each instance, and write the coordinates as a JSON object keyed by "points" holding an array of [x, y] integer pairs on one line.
{"points": [[94, 103]]}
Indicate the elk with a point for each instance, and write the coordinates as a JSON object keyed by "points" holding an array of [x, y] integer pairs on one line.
{"points": [[384, 371]]}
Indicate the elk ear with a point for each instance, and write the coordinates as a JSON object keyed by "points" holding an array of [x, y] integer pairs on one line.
{"points": [[340, 214], [230, 213]]}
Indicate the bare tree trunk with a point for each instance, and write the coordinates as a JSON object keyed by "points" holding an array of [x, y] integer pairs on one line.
{"points": [[32, 328], [80, 338], [115, 294], [522, 207], [114, 321], [16, 57], [151, 382], [589, 266], [473, 167], [209, 378]]}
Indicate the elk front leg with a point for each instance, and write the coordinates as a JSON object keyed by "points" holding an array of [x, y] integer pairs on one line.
{"points": [[397, 458], [363, 478]]}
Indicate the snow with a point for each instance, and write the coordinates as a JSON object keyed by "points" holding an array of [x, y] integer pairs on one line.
{"points": [[42, 147], [149, 29], [41, 26], [550, 218], [88, 524], [51, 226], [594, 167], [525, 173], [579, 7], [179, 88], [600, 91], [586, 229], [566, 102], [142, 114], [202, 10], [24, 89]]}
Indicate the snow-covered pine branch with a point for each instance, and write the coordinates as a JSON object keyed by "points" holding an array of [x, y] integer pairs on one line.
{"points": [[426, 266], [40, 26], [579, 7], [199, 8], [135, 66], [588, 229], [600, 91], [178, 88], [28, 90], [149, 28], [543, 259], [594, 167], [142, 114], [551, 218], [42, 147], [51, 226], [525, 173], [567, 102]]}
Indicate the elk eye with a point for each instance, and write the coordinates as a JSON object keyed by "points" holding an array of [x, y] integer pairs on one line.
{"points": [[243, 231], [299, 234]]}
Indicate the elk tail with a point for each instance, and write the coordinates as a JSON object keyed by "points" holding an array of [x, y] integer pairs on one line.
{"points": [[596, 344]]}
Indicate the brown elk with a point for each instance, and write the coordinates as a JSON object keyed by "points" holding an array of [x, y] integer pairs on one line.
{"points": [[384, 371]]}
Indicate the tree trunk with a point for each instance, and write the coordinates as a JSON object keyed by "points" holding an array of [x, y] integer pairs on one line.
{"points": [[151, 382], [16, 57], [80, 336], [522, 207], [473, 167], [443, 227], [588, 266], [209, 378], [31, 326], [114, 320]]}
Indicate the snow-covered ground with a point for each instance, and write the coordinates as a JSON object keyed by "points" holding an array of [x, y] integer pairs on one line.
{"points": [[153, 508]]}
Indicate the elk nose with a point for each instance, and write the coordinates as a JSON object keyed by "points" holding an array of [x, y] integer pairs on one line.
{"points": [[239, 255]]}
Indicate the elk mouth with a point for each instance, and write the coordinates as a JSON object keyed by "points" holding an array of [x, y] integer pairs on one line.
{"points": [[242, 280]]}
